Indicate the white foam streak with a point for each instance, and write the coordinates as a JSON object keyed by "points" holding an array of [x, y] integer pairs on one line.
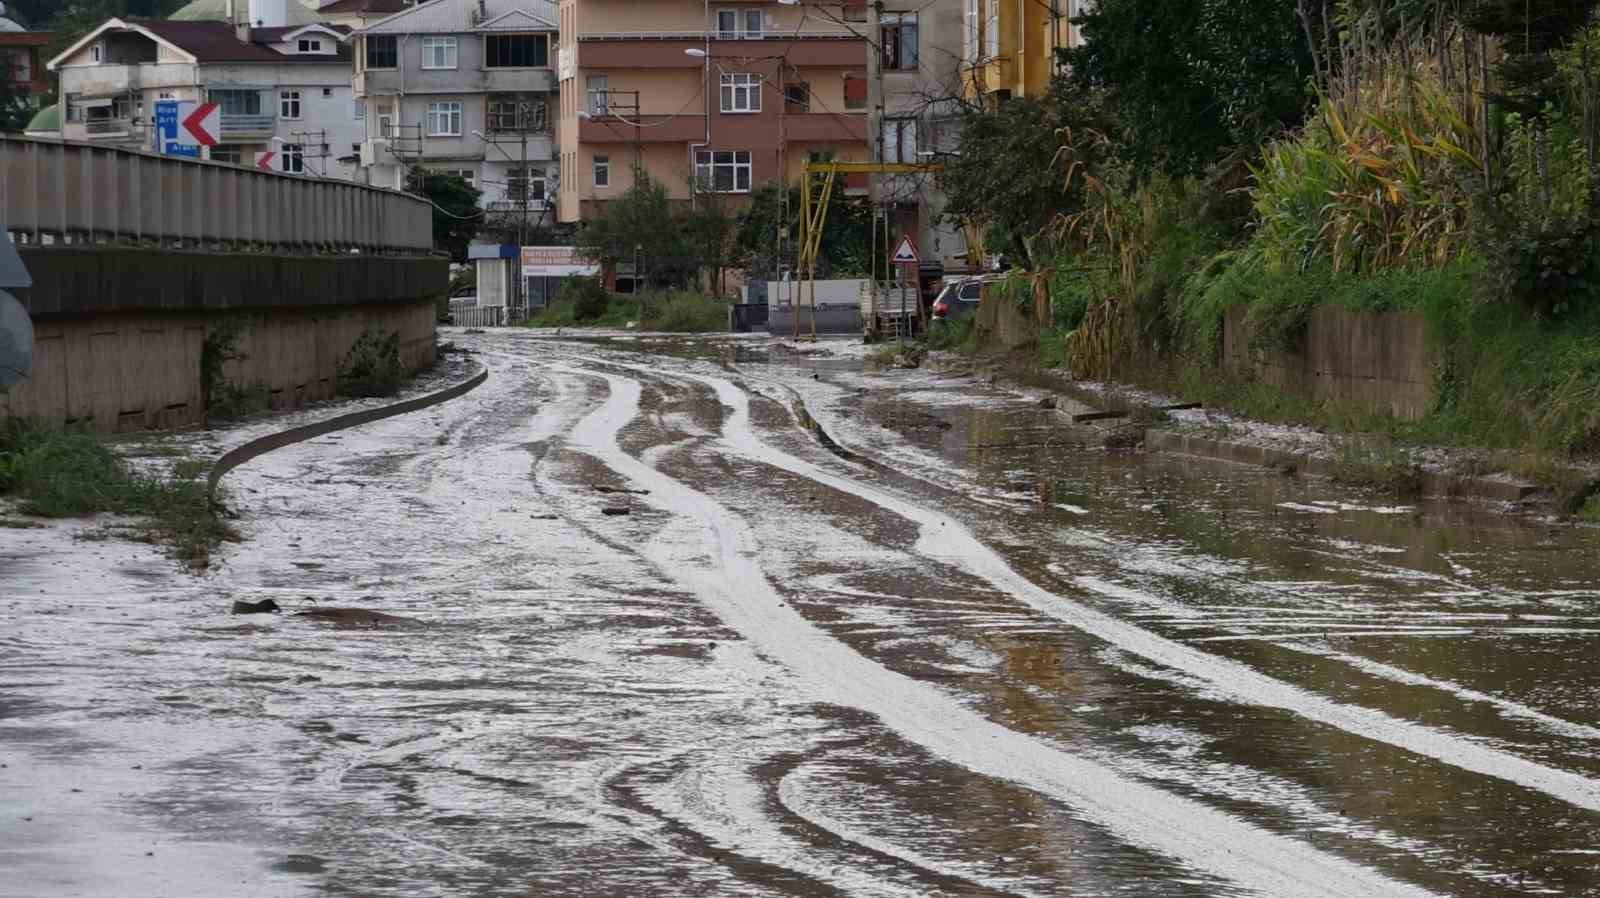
{"points": [[737, 589]]}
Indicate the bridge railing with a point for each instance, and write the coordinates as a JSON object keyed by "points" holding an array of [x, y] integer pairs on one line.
{"points": [[75, 193]]}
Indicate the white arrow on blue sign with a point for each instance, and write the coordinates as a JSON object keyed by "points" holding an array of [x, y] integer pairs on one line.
{"points": [[172, 139]]}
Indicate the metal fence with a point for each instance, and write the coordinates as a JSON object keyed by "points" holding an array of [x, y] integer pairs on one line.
{"points": [[62, 192], [468, 314]]}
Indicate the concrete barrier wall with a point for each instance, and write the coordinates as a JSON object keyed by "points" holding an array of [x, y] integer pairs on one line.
{"points": [[87, 280], [128, 371], [840, 319], [1378, 360]]}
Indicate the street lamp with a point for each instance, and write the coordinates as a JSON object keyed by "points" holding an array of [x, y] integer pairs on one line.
{"points": [[696, 52]]}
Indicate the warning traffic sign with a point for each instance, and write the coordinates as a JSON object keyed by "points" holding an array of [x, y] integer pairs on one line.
{"points": [[905, 253], [202, 126]]}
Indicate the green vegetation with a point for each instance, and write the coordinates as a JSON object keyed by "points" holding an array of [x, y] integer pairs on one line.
{"points": [[1447, 165], [223, 399], [372, 366], [582, 302], [66, 473], [1389, 469]]}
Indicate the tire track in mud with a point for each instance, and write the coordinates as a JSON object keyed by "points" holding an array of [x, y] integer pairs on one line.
{"points": [[737, 589], [946, 540]]}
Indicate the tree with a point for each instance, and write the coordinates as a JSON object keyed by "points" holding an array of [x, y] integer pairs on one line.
{"points": [[709, 228], [1194, 81], [1011, 175], [456, 216], [640, 225], [846, 235]]}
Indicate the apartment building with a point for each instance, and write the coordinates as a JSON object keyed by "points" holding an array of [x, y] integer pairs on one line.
{"points": [[915, 93], [1010, 45], [705, 96], [283, 89], [464, 87]]}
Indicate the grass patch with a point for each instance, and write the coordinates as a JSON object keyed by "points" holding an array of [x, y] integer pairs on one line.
{"points": [[685, 313], [689, 313], [1389, 469], [68, 473], [1590, 511], [954, 336]]}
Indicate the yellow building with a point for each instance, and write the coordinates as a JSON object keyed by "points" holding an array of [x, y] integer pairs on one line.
{"points": [[1010, 47]]}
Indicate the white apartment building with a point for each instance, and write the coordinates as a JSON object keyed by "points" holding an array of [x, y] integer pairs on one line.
{"points": [[464, 87], [282, 88]]}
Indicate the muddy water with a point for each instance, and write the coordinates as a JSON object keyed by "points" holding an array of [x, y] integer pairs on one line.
{"points": [[971, 656]]}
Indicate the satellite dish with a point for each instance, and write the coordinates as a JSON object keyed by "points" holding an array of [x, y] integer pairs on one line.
{"points": [[16, 341]]}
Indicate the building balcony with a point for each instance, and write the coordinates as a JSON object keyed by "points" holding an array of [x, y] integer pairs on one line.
{"points": [[248, 125], [108, 127], [665, 49], [650, 129]]}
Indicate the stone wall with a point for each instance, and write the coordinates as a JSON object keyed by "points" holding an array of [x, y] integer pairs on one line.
{"points": [[1377, 360], [128, 371]]}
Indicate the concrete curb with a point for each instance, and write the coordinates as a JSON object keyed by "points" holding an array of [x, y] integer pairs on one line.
{"points": [[262, 445], [1433, 482]]}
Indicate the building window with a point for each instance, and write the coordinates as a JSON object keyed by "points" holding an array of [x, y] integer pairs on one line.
{"points": [[95, 53], [602, 171], [514, 114], [516, 51], [439, 52], [383, 51], [229, 154], [723, 171], [797, 96], [444, 119], [465, 174], [520, 184], [741, 92], [855, 90], [386, 126], [294, 158], [900, 140], [599, 94], [737, 24], [358, 109], [310, 46], [899, 40], [289, 104], [991, 30], [855, 10], [237, 102]]}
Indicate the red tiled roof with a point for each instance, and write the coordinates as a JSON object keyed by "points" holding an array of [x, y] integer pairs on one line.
{"points": [[218, 42]]}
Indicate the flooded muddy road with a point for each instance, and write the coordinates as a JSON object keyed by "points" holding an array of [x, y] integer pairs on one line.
{"points": [[670, 642]]}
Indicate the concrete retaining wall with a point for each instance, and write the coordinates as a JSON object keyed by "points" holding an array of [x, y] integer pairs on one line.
{"points": [[998, 322], [1380, 360], [128, 371]]}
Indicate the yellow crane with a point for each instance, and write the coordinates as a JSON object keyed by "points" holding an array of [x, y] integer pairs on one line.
{"points": [[814, 198]]}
